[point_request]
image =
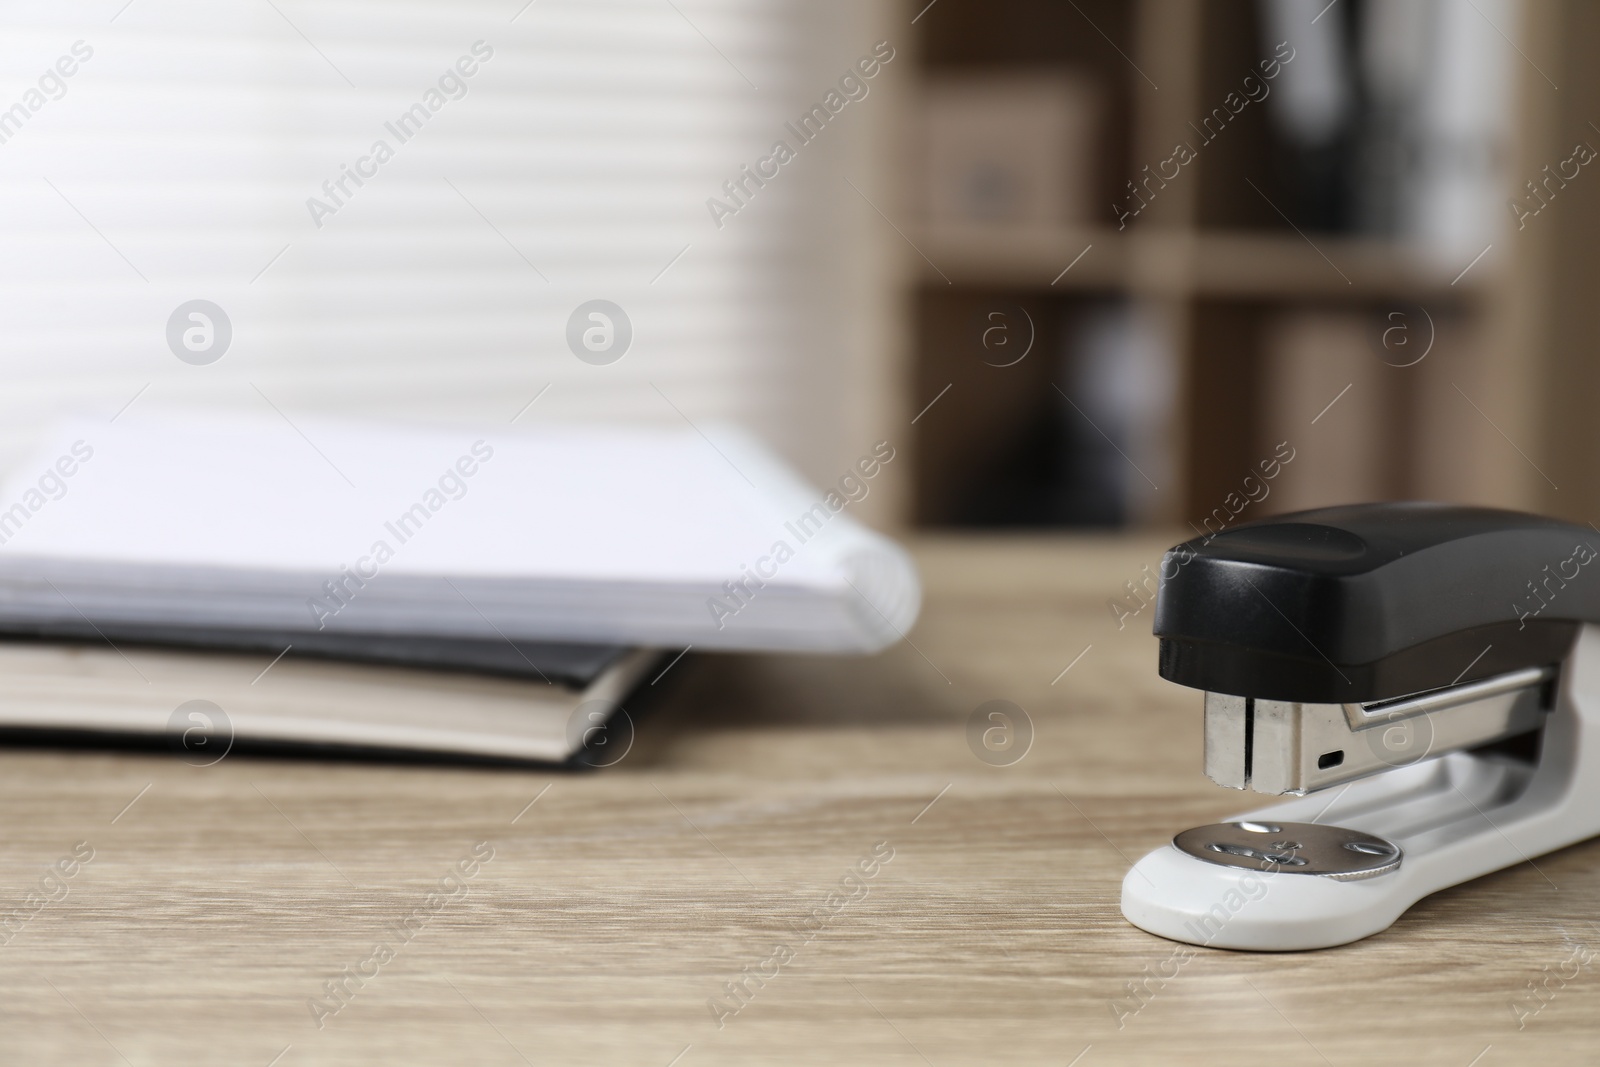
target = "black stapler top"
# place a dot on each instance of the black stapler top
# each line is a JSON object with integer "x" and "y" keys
{"x": 1371, "y": 601}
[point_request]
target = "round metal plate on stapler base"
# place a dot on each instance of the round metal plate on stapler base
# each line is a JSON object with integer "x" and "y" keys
{"x": 1293, "y": 848}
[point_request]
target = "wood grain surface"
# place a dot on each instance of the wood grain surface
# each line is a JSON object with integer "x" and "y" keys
{"x": 221, "y": 901}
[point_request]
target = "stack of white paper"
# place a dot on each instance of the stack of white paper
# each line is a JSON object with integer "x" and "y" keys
{"x": 575, "y": 534}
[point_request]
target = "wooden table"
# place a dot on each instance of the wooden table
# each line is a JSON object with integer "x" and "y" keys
{"x": 221, "y": 900}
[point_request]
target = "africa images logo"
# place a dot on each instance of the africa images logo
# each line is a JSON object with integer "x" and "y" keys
{"x": 199, "y": 332}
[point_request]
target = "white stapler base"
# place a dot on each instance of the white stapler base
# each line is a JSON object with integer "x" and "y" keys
{"x": 1455, "y": 819}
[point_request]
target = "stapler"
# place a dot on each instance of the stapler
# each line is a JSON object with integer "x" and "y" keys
{"x": 1422, "y": 679}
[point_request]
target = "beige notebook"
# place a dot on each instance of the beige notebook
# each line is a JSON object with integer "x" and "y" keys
{"x": 203, "y": 703}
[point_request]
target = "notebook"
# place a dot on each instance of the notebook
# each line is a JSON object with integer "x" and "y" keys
{"x": 227, "y": 525}
{"x": 203, "y": 705}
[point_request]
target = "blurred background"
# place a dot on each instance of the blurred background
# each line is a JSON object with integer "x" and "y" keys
{"x": 1244, "y": 232}
{"x": 1096, "y": 263}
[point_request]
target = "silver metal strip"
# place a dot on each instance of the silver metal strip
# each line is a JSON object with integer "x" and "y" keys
{"x": 1299, "y": 748}
{"x": 1225, "y": 736}
{"x": 1362, "y": 715}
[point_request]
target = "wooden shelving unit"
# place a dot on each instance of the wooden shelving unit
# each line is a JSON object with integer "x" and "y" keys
{"x": 1212, "y": 261}
{"x": 1178, "y": 262}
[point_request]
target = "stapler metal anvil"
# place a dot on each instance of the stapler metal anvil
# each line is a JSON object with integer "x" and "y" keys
{"x": 1423, "y": 679}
